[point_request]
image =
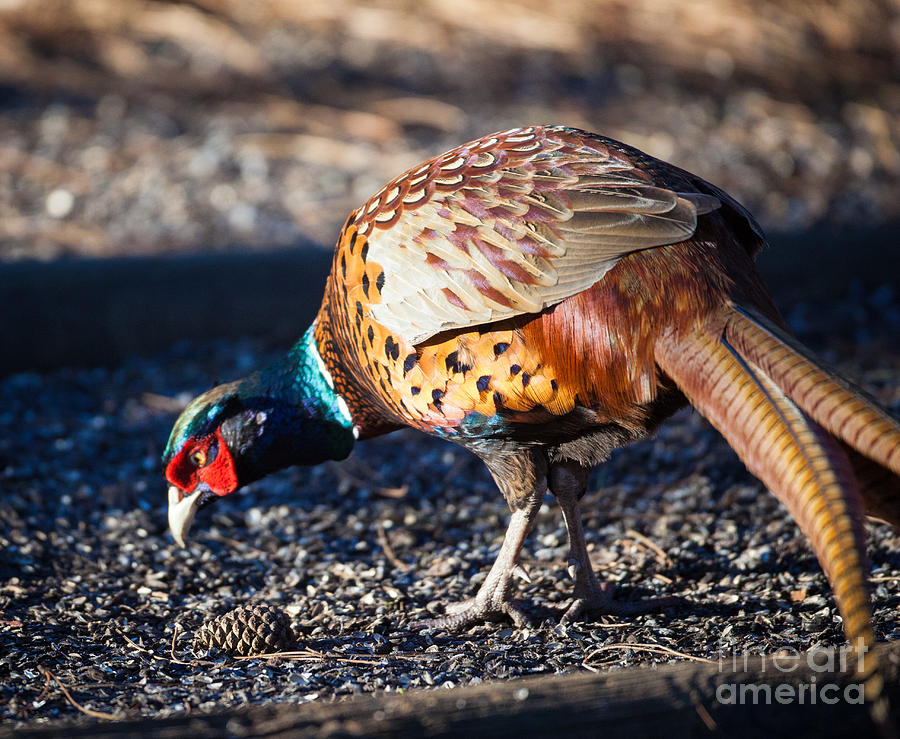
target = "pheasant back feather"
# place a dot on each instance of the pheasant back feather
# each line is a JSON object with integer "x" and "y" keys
{"x": 436, "y": 278}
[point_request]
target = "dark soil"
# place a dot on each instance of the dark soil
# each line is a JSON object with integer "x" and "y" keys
{"x": 94, "y": 592}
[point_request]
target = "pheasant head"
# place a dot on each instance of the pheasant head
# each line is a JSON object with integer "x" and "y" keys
{"x": 239, "y": 432}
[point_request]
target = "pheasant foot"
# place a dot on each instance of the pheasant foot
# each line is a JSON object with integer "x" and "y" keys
{"x": 493, "y": 600}
{"x": 591, "y": 597}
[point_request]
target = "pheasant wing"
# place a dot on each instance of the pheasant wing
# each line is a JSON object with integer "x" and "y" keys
{"x": 510, "y": 224}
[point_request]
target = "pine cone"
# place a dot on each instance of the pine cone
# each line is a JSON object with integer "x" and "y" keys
{"x": 246, "y": 630}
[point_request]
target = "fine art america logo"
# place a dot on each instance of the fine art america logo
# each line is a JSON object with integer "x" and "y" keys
{"x": 818, "y": 687}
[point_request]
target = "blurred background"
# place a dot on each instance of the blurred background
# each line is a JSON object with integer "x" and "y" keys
{"x": 225, "y": 127}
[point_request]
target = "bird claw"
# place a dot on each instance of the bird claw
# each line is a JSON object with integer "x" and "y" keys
{"x": 473, "y": 612}
{"x": 521, "y": 573}
{"x": 573, "y": 568}
{"x": 600, "y": 602}
{"x": 591, "y": 599}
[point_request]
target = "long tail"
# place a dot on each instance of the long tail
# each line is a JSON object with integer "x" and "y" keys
{"x": 767, "y": 397}
{"x": 832, "y": 401}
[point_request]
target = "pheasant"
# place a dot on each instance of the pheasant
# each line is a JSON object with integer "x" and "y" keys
{"x": 542, "y": 296}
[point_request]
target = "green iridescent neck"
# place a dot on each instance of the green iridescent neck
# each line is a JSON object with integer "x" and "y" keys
{"x": 311, "y": 382}
{"x": 288, "y": 413}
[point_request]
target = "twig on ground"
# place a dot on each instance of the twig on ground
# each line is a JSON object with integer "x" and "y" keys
{"x": 239, "y": 545}
{"x": 652, "y": 546}
{"x": 133, "y": 643}
{"x": 86, "y": 711}
{"x": 310, "y": 655}
{"x": 653, "y": 648}
{"x": 705, "y": 717}
{"x": 384, "y": 492}
{"x": 388, "y": 551}
{"x": 45, "y": 690}
{"x": 172, "y": 656}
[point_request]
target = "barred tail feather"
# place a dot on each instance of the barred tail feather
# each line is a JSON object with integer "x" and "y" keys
{"x": 798, "y": 461}
{"x": 833, "y": 402}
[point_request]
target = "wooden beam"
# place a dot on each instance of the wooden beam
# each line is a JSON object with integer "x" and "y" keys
{"x": 76, "y": 312}
{"x": 792, "y": 695}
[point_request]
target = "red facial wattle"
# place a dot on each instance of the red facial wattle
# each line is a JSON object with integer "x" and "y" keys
{"x": 217, "y": 472}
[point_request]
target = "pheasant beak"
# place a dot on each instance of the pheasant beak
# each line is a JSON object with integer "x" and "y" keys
{"x": 182, "y": 508}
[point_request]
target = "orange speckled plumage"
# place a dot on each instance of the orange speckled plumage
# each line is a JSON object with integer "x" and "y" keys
{"x": 485, "y": 234}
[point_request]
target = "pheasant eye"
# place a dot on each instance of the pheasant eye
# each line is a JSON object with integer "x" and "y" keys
{"x": 198, "y": 457}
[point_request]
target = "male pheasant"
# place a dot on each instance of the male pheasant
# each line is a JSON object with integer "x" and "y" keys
{"x": 542, "y": 296}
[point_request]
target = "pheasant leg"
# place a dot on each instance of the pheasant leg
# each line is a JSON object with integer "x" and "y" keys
{"x": 492, "y": 601}
{"x": 568, "y": 484}
{"x": 521, "y": 476}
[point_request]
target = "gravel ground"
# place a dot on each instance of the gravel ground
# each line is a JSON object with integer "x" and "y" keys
{"x": 93, "y": 590}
